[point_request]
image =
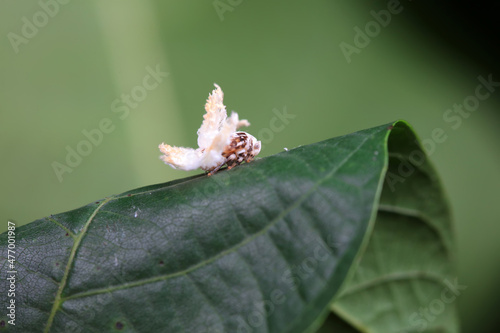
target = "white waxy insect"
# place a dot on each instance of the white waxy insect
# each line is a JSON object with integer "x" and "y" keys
{"x": 219, "y": 141}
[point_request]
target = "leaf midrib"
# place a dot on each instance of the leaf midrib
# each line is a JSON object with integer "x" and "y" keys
{"x": 62, "y": 284}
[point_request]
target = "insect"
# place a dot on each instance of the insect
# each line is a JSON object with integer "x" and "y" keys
{"x": 219, "y": 142}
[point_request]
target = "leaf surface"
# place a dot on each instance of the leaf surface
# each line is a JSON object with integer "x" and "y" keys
{"x": 405, "y": 281}
{"x": 264, "y": 247}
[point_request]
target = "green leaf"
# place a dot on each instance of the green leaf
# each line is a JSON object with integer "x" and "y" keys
{"x": 405, "y": 280}
{"x": 264, "y": 247}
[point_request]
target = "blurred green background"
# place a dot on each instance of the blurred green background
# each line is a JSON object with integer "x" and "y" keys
{"x": 66, "y": 64}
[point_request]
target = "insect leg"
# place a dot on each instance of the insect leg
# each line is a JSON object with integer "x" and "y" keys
{"x": 214, "y": 170}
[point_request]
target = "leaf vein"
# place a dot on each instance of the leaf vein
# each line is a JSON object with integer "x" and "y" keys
{"x": 58, "y": 299}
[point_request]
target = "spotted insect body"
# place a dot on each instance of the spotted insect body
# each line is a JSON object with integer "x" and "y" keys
{"x": 242, "y": 147}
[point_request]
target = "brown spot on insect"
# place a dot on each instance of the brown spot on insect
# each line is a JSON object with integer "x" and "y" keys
{"x": 242, "y": 147}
